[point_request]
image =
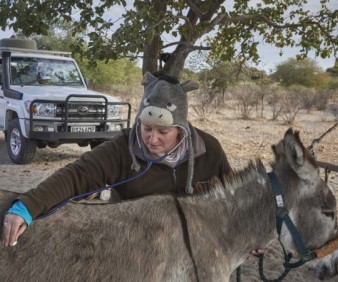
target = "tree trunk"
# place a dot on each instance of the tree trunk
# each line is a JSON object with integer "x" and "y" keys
{"x": 175, "y": 64}
{"x": 153, "y": 48}
{"x": 150, "y": 55}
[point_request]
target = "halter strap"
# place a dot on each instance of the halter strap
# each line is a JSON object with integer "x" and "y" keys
{"x": 282, "y": 216}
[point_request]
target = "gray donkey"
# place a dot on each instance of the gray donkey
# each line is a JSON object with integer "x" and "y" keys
{"x": 199, "y": 237}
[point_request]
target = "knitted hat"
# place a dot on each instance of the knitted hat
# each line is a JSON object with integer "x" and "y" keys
{"x": 164, "y": 103}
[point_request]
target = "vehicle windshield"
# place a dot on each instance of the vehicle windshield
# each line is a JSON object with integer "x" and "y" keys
{"x": 41, "y": 71}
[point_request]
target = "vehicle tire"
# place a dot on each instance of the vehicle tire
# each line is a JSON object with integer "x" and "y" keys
{"x": 20, "y": 149}
{"x": 18, "y": 43}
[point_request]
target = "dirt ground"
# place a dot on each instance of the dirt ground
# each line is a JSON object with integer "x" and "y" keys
{"x": 242, "y": 140}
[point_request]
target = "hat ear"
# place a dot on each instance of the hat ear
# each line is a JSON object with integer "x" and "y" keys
{"x": 189, "y": 85}
{"x": 147, "y": 78}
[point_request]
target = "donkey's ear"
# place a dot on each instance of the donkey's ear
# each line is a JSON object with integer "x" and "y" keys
{"x": 294, "y": 148}
{"x": 189, "y": 85}
{"x": 147, "y": 78}
{"x": 278, "y": 150}
{"x": 297, "y": 156}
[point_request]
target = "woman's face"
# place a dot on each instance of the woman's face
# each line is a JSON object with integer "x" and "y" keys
{"x": 160, "y": 139}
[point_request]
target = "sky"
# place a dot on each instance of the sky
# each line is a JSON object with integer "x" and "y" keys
{"x": 269, "y": 54}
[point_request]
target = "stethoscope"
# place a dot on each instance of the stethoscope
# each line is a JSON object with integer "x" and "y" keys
{"x": 150, "y": 162}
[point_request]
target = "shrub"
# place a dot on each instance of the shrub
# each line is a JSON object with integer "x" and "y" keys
{"x": 290, "y": 105}
{"x": 246, "y": 96}
{"x": 204, "y": 103}
{"x": 274, "y": 98}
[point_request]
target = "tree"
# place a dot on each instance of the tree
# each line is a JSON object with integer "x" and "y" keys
{"x": 148, "y": 28}
{"x": 304, "y": 72}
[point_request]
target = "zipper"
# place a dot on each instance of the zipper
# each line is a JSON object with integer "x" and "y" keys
{"x": 174, "y": 179}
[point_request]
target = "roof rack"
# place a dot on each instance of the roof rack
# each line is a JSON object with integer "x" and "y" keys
{"x": 32, "y": 51}
{"x": 20, "y": 45}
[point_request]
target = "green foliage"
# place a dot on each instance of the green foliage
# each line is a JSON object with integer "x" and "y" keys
{"x": 304, "y": 72}
{"x": 333, "y": 84}
{"x": 119, "y": 72}
{"x": 230, "y": 29}
{"x": 58, "y": 37}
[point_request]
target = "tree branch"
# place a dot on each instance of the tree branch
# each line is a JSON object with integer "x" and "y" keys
{"x": 187, "y": 44}
{"x": 312, "y": 148}
{"x": 194, "y": 8}
{"x": 225, "y": 18}
{"x": 326, "y": 165}
{"x": 310, "y": 22}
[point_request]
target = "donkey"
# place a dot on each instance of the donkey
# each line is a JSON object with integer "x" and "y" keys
{"x": 199, "y": 237}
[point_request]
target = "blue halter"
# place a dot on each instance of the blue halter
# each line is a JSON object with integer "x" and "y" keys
{"x": 282, "y": 216}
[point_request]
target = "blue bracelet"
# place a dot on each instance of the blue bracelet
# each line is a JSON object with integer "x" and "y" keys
{"x": 20, "y": 209}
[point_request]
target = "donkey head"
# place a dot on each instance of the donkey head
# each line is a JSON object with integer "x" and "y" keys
{"x": 311, "y": 204}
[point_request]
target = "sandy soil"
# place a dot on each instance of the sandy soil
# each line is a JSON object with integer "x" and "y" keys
{"x": 242, "y": 140}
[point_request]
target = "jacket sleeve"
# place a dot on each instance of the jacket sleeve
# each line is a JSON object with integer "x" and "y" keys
{"x": 225, "y": 167}
{"x": 92, "y": 171}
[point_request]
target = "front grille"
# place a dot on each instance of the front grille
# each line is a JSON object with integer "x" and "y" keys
{"x": 76, "y": 113}
{"x": 82, "y": 110}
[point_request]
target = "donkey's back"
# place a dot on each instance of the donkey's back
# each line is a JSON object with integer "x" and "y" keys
{"x": 140, "y": 240}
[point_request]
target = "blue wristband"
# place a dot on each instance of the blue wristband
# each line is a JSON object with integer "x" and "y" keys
{"x": 20, "y": 209}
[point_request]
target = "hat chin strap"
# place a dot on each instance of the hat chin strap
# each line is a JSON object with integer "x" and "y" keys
{"x": 179, "y": 143}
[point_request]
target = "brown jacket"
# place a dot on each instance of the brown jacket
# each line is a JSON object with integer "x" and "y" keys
{"x": 111, "y": 162}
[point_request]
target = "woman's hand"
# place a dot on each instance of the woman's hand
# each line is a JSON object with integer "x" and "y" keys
{"x": 13, "y": 227}
{"x": 257, "y": 252}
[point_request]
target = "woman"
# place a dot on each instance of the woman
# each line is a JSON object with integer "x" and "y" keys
{"x": 177, "y": 158}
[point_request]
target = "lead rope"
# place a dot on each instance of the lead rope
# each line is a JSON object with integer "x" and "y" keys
{"x": 261, "y": 271}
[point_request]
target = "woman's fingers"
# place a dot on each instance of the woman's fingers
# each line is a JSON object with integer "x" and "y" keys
{"x": 13, "y": 227}
{"x": 257, "y": 252}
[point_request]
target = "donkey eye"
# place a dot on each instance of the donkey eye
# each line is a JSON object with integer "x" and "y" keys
{"x": 146, "y": 102}
{"x": 171, "y": 107}
{"x": 328, "y": 213}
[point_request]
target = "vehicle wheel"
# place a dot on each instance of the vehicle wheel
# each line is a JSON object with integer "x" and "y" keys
{"x": 20, "y": 149}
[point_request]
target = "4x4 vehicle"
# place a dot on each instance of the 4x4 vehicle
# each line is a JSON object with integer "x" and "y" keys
{"x": 44, "y": 101}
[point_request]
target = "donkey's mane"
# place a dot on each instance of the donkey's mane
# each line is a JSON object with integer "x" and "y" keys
{"x": 220, "y": 186}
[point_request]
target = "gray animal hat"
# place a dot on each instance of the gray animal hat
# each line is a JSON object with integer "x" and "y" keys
{"x": 164, "y": 103}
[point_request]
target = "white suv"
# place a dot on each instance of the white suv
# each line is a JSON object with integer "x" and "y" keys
{"x": 44, "y": 101}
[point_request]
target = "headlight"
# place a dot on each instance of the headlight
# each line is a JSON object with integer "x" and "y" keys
{"x": 114, "y": 111}
{"x": 41, "y": 109}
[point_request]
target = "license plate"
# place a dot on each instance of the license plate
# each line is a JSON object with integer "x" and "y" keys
{"x": 82, "y": 129}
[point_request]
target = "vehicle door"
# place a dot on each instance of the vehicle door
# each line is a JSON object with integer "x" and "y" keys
{"x": 2, "y": 101}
